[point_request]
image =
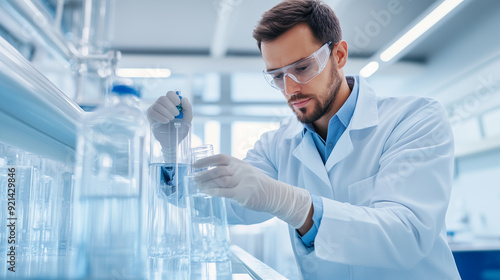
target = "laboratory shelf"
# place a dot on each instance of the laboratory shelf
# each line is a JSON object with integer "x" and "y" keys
{"x": 34, "y": 114}
{"x": 245, "y": 265}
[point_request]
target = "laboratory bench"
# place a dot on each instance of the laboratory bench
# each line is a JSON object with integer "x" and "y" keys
{"x": 477, "y": 259}
{"x": 244, "y": 267}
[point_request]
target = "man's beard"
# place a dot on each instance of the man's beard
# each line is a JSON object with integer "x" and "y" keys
{"x": 322, "y": 107}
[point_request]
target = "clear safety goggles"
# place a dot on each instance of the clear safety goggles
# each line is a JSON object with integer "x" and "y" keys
{"x": 302, "y": 71}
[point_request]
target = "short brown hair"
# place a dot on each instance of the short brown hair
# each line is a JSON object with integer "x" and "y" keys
{"x": 323, "y": 22}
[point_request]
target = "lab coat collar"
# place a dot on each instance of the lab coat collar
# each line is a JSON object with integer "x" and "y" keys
{"x": 365, "y": 116}
{"x": 307, "y": 153}
{"x": 366, "y": 112}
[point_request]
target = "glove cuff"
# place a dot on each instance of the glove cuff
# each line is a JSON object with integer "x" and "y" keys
{"x": 293, "y": 205}
{"x": 303, "y": 211}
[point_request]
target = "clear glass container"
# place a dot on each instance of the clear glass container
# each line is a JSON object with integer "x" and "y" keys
{"x": 168, "y": 211}
{"x": 109, "y": 188}
{"x": 210, "y": 256}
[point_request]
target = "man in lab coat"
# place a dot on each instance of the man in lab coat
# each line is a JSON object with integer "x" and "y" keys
{"x": 363, "y": 181}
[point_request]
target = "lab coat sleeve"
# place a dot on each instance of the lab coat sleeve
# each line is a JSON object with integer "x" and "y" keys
{"x": 262, "y": 155}
{"x": 260, "y": 158}
{"x": 407, "y": 199}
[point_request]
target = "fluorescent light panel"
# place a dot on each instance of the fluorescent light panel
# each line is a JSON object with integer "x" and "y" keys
{"x": 420, "y": 28}
{"x": 143, "y": 72}
{"x": 369, "y": 69}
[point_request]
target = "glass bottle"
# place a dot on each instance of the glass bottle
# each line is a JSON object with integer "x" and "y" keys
{"x": 109, "y": 187}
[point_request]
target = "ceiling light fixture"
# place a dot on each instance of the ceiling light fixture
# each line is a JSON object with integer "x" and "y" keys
{"x": 420, "y": 28}
{"x": 369, "y": 69}
{"x": 143, "y": 72}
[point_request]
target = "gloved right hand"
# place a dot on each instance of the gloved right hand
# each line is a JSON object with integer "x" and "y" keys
{"x": 161, "y": 116}
{"x": 242, "y": 182}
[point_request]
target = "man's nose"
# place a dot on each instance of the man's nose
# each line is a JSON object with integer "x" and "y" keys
{"x": 291, "y": 86}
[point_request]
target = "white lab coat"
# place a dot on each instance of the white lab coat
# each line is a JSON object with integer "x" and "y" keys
{"x": 385, "y": 190}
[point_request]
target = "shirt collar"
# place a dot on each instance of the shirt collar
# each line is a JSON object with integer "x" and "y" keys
{"x": 346, "y": 111}
{"x": 344, "y": 114}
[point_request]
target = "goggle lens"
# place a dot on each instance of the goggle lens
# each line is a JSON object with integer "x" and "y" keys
{"x": 302, "y": 71}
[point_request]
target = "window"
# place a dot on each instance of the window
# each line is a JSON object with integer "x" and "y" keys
{"x": 490, "y": 123}
{"x": 245, "y": 134}
{"x": 253, "y": 87}
{"x": 466, "y": 132}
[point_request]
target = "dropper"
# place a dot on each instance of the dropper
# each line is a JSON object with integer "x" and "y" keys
{"x": 177, "y": 125}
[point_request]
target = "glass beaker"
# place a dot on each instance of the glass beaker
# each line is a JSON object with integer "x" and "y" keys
{"x": 22, "y": 173}
{"x": 45, "y": 209}
{"x": 16, "y": 180}
{"x": 210, "y": 256}
{"x": 168, "y": 214}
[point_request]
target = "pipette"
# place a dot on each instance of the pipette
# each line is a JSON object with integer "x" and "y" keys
{"x": 169, "y": 181}
{"x": 177, "y": 125}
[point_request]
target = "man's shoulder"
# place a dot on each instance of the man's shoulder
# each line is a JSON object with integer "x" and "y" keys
{"x": 289, "y": 128}
{"x": 407, "y": 102}
{"x": 403, "y": 114}
{"x": 406, "y": 106}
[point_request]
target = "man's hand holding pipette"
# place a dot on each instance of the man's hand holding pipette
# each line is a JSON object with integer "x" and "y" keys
{"x": 161, "y": 115}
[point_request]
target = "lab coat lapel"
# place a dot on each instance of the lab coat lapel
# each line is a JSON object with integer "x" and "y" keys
{"x": 341, "y": 150}
{"x": 308, "y": 155}
{"x": 365, "y": 116}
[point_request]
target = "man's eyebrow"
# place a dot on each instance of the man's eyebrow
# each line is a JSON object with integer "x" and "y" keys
{"x": 304, "y": 58}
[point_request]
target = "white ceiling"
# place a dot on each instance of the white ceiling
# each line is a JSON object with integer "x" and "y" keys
{"x": 162, "y": 25}
{"x": 190, "y": 26}
{"x": 188, "y": 36}
{"x": 200, "y": 36}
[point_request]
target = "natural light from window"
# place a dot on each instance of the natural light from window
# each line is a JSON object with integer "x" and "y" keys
{"x": 245, "y": 134}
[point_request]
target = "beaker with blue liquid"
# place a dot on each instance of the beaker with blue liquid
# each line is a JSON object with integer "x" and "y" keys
{"x": 187, "y": 230}
{"x": 168, "y": 209}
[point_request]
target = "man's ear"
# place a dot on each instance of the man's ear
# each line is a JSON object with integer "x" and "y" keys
{"x": 339, "y": 54}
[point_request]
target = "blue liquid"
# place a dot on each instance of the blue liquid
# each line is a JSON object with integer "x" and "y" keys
{"x": 168, "y": 222}
{"x": 167, "y": 178}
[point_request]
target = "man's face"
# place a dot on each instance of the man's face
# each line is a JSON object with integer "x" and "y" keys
{"x": 309, "y": 101}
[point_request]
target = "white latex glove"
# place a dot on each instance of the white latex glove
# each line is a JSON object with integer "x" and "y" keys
{"x": 161, "y": 115}
{"x": 164, "y": 109}
{"x": 240, "y": 181}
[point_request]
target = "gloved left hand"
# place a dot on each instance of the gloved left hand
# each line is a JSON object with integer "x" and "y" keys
{"x": 161, "y": 116}
{"x": 240, "y": 181}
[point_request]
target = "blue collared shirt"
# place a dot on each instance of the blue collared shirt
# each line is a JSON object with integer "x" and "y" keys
{"x": 336, "y": 127}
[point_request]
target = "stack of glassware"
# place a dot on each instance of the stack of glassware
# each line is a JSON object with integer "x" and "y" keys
{"x": 187, "y": 230}
{"x": 107, "y": 223}
{"x": 36, "y": 219}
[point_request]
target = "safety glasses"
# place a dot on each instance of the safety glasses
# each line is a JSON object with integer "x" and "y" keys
{"x": 302, "y": 71}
